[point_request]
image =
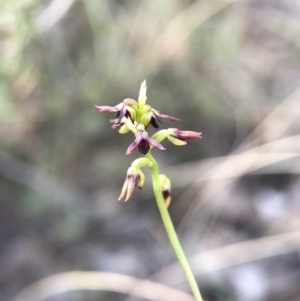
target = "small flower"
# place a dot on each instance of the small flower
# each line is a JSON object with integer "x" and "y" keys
{"x": 165, "y": 185}
{"x": 152, "y": 116}
{"x": 127, "y": 108}
{"x": 178, "y": 137}
{"x": 135, "y": 178}
{"x": 175, "y": 136}
{"x": 143, "y": 142}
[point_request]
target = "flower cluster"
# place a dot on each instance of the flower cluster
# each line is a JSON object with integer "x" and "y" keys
{"x": 136, "y": 116}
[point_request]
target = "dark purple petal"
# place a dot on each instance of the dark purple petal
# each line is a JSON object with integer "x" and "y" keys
{"x": 123, "y": 113}
{"x": 167, "y": 197}
{"x": 166, "y": 194}
{"x": 144, "y": 146}
{"x": 134, "y": 144}
{"x": 137, "y": 180}
{"x": 153, "y": 121}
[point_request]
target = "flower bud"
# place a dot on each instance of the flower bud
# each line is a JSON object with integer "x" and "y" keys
{"x": 178, "y": 137}
{"x": 165, "y": 185}
{"x": 135, "y": 178}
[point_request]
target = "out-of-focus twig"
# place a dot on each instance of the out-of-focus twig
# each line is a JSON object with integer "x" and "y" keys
{"x": 268, "y": 130}
{"x": 232, "y": 255}
{"x": 281, "y": 24}
{"x": 182, "y": 26}
{"x": 236, "y": 165}
{"x": 34, "y": 178}
{"x": 102, "y": 281}
{"x": 52, "y": 14}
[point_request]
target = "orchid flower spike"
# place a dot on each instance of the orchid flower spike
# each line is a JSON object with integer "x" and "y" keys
{"x": 135, "y": 116}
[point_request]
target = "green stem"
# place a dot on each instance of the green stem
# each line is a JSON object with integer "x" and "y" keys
{"x": 170, "y": 229}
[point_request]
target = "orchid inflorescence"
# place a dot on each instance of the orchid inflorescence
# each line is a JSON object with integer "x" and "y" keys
{"x": 136, "y": 116}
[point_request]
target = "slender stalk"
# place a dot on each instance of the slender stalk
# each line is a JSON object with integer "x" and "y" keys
{"x": 170, "y": 229}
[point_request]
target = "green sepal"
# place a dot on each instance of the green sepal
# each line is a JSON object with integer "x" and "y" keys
{"x": 124, "y": 129}
{"x": 142, "y": 95}
{"x": 164, "y": 182}
{"x": 160, "y": 135}
{"x": 176, "y": 141}
{"x": 146, "y": 115}
{"x": 141, "y": 162}
{"x": 129, "y": 124}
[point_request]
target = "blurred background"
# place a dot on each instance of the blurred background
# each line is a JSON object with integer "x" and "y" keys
{"x": 229, "y": 69}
